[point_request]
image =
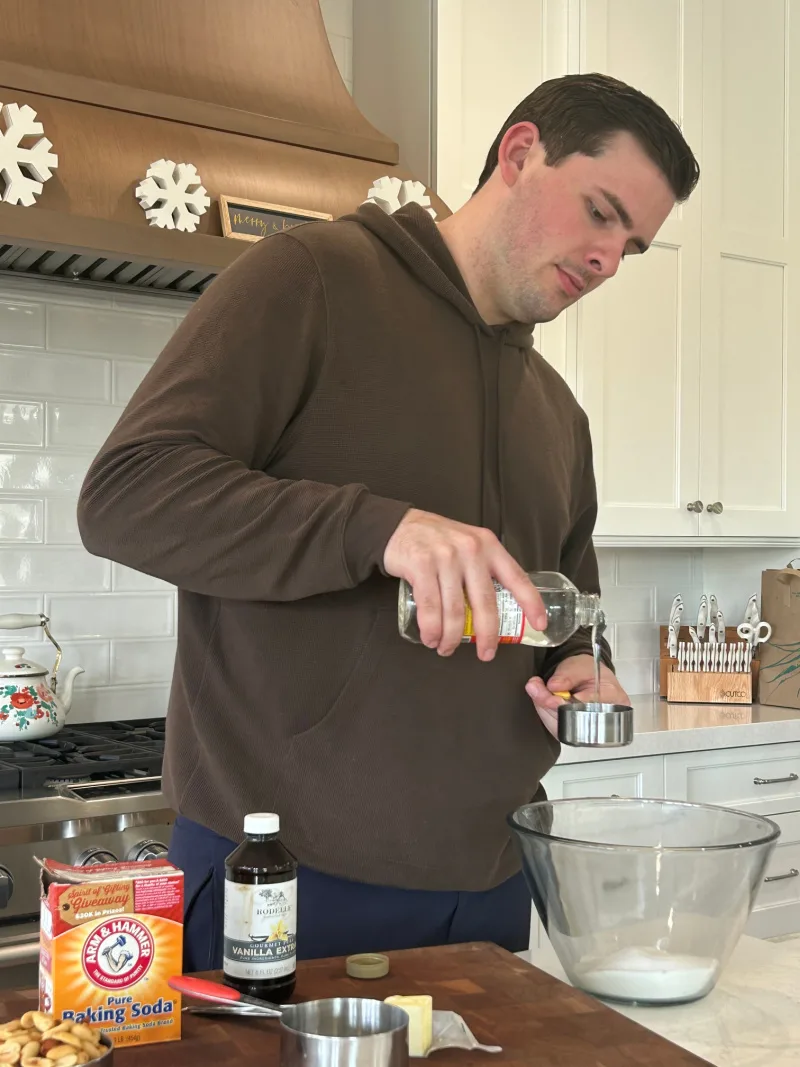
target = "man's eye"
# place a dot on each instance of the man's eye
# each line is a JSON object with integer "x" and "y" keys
{"x": 596, "y": 213}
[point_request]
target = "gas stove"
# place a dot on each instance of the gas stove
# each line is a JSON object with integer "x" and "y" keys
{"x": 97, "y": 753}
{"x": 89, "y": 794}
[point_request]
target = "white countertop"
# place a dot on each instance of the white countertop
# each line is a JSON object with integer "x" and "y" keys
{"x": 660, "y": 728}
{"x": 751, "y": 1018}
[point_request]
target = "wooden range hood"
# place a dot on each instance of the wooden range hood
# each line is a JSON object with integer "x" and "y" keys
{"x": 246, "y": 90}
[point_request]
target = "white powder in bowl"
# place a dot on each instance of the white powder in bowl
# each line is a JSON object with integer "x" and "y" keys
{"x": 647, "y": 974}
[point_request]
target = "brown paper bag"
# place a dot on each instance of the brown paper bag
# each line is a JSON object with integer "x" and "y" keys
{"x": 779, "y": 676}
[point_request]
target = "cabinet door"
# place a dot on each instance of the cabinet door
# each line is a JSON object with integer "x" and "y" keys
{"x": 638, "y": 355}
{"x": 750, "y": 410}
{"x": 632, "y": 777}
{"x": 489, "y": 57}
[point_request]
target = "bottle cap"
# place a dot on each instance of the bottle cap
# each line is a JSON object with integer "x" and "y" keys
{"x": 367, "y": 965}
{"x": 262, "y": 822}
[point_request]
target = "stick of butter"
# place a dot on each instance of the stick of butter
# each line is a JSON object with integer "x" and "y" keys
{"x": 420, "y": 1021}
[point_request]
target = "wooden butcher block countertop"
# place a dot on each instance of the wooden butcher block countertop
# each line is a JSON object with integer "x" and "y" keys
{"x": 537, "y": 1020}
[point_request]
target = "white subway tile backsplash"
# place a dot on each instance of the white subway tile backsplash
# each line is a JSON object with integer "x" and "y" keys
{"x": 142, "y": 661}
{"x": 635, "y": 640}
{"x": 120, "y": 702}
{"x": 21, "y": 423}
{"x": 21, "y": 519}
{"x": 21, "y": 323}
{"x": 61, "y": 377}
{"x": 640, "y": 565}
{"x": 42, "y": 471}
{"x": 79, "y": 425}
{"x": 16, "y": 604}
{"x": 70, "y": 359}
{"x": 629, "y": 603}
{"x": 123, "y": 579}
{"x": 636, "y": 675}
{"x": 53, "y": 569}
{"x": 93, "y": 656}
{"x": 114, "y": 615}
{"x": 607, "y": 566}
{"x": 107, "y": 332}
{"x": 127, "y": 376}
{"x": 61, "y": 520}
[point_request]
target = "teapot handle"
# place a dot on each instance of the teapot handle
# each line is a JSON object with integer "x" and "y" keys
{"x": 21, "y": 622}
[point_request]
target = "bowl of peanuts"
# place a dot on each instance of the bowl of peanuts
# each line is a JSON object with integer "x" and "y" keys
{"x": 41, "y": 1040}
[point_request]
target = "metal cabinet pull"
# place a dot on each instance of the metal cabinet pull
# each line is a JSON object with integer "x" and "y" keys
{"x": 696, "y": 506}
{"x": 774, "y": 781}
{"x": 716, "y": 508}
{"x": 793, "y": 873}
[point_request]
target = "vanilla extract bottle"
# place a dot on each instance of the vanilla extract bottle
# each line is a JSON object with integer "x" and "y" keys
{"x": 260, "y": 917}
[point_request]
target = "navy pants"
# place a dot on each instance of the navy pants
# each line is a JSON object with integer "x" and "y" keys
{"x": 337, "y": 917}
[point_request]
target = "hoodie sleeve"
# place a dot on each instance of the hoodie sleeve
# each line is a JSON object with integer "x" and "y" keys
{"x": 179, "y": 489}
{"x": 578, "y": 559}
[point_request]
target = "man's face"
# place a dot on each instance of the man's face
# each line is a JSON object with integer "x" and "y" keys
{"x": 561, "y": 231}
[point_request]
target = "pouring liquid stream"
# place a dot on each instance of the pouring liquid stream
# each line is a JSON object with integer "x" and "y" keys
{"x": 598, "y": 629}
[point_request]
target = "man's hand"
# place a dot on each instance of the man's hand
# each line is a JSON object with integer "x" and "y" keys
{"x": 441, "y": 559}
{"x": 573, "y": 675}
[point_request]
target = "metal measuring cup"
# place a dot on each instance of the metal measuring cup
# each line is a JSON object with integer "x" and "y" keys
{"x": 340, "y": 1032}
{"x": 592, "y": 724}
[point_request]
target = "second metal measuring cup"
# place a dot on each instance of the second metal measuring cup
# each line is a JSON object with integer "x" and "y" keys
{"x": 340, "y": 1032}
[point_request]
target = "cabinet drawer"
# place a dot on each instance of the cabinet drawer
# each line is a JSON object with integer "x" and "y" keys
{"x": 782, "y": 884}
{"x": 643, "y": 777}
{"x": 764, "y": 779}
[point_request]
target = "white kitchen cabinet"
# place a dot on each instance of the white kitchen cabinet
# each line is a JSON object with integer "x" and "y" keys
{"x": 688, "y": 362}
{"x": 763, "y": 779}
{"x": 642, "y": 777}
{"x": 750, "y": 389}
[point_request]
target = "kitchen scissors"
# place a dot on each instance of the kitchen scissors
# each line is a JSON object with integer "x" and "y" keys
{"x": 754, "y": 634}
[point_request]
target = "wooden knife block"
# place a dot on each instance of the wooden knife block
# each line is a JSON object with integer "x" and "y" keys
{"x": 704, "y": 687}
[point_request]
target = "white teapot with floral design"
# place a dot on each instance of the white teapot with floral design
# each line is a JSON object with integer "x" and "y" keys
{"x": 29, "y": 707}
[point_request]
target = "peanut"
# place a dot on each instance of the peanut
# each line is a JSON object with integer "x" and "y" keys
{"x": 30, "y": 1050}
{"x": 10, "y": 1028}
{"x": 66, "y": 1038}
{"x": 59, "y": 1052}
{"x": 84, "y": 1032}
{"x": 42, "y": 1021}
{"x": 35, "y": 1061}
{"x": 9, "y": 1057}
{"x": 67, "y": 1061}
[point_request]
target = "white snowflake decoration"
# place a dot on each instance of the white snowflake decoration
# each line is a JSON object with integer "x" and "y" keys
{"x": 391, "y": 193}
{"x": 172, "y": 195}
{"x": 23, "y": 170}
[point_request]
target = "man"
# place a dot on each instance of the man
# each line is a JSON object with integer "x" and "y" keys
{"x": 351, "y": 403}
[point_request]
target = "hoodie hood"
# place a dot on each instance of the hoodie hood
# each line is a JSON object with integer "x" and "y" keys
{"x": 412, "y": 235}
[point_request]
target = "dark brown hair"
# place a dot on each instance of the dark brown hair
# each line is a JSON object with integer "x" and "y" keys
{"x": 582, "y": 112}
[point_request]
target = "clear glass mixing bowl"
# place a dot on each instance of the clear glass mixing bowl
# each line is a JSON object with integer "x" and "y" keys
{"x": 643, "y": 900}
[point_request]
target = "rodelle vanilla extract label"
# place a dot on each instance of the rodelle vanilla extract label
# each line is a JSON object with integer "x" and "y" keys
{"x": 260, "y": 933}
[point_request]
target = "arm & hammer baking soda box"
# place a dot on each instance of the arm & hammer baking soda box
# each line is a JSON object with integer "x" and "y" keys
{"x": 111, "y": 938}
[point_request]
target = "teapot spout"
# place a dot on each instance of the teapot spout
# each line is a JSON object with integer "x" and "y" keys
{"x": 65, "y": 696}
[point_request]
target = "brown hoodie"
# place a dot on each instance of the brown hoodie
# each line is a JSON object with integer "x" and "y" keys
{"x": 331, "y": 378}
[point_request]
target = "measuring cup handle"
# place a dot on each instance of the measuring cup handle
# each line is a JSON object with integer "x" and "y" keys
{"x": 20, "y": 622}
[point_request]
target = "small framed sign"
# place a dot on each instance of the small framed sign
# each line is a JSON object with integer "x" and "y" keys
{"x": 250, "y": 220}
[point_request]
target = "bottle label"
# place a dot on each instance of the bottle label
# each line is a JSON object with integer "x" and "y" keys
{"x": 510, "y": 615}
{"x": 260, "y": 930}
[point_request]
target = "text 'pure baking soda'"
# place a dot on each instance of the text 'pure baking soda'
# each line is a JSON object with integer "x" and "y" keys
{"x": 111, "y": 938}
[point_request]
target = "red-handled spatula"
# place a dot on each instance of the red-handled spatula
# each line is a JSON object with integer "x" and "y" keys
{"x": 202, "y": 989}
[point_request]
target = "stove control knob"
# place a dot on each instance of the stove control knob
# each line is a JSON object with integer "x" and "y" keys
{"x": 91, "y": 857}
{"x": 6, "y": 887}
{"x": 146, "y": 850}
